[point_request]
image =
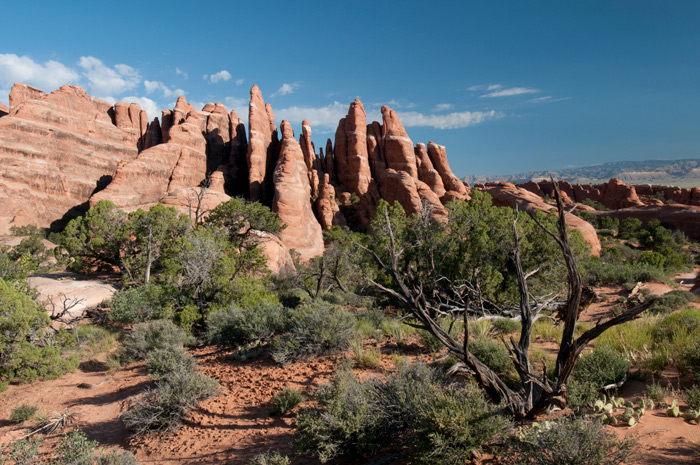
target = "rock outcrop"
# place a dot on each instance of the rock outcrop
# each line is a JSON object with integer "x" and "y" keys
{"x": 3, "y": 109}
{"x": 57, "y": 149}
{"x": 507, "y": 194}
{"x": 262, "y": 147}
{"x": 684, "y": 218}
{"x": 292, "y": 200}
{"x": 615, "y": 194}
{"x": 454, "y": 187}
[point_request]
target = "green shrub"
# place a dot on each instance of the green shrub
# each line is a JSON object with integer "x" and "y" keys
{"x": 22, "y": 413}
{"x": 163, "y": 408}
{"x": 315, "y": 329}
{"x": 656, "y": 392}
{"x": 688, "y": 360}
{"x": 601, "y": 367}
{"x": 286, "y": 400}
{"x": 22, "y": 451}
{"x": 93, "y": 339}
{"x": 238, "y": 327}
{"x": 27, "y": 353}
{"x": 494, "y": 355}
{"x": 546, "y": 330}
{"x": 156, "y": 334}
{"x": 671, "y": 302}
{"x": 117, "y": 458}
{"x": 135, "y": 305}
{"x": 505, "y": 325}
{"x": 569, "y": 441}
{"x": 366, "y": 358}
{"x": 442, "y": 423}
{"x": 270, "y": 458}
{"x": 692, "y": 397}
{"x": 596, "y": 272}
{"x": 76, "y": 449}
{"x": 160, "y": 362}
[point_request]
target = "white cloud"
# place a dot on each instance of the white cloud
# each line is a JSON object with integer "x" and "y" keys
{"x": 108, "y": 81}
{"x": 511, "y": 92}
{"x": 449, "y": 121}
{"x": 182, "y": 73}
{"x": 323, "y": 118}
{"x": 151, "y": 107}
{"x": 396, "y": 104}
{"x": 547, "y": 99}
{"x": 222, "y": 75}
{"x": 49, "y": 76}
{"x": 152, "y": 86}
{"x": 286, "y": 89}
{"x": 487, "y": 88}
{"x": 443, "y": 107}
{"x": 238, "y": 104}
{"x": 239, "y": 81}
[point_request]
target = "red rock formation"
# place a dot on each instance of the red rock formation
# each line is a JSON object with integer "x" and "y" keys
{"x": 238, "y": 165}
{"x": 326, "y": 207}
{"x": 685, "y": 218}
{"x": 313, "y": 165}
{"x": 397, "y": 148}
{"x": 3, "y": 109}
{"x": 329, "y": 163}
{"x": 427, "y": 173}
{"x": 56, "y": 149}
{"x": 262, "y": 147}
{"x": 454, "y": 187}
{"x": 218, "y": 135}
{"x": 292, "y": 199}
{"x": 507, "y": 194}
{"x": 615, "y": 194}
{"x": 352, "y": 163}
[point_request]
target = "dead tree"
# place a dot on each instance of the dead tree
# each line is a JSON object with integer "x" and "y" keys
{"x": 536, "y": 393}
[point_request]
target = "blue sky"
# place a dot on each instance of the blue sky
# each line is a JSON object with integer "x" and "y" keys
{"x": 506, "y": 86}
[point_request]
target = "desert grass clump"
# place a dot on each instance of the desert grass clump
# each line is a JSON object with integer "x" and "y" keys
{"x": 163, "y": 408}
{"x": 505, "y": 325}
{"x": 692, "y": 397}
{"x": 239, "y": 327}
{"x": 285, "y": 401}
{"x": 366, "y": 358}
{"x": 270, "y": 458}
{"x": 571, "y": 441}
{"x": 494, "y": 355}
{"x": 152, "y": 335}
{"x": 23, "y": 413}
{"x": 316, "y": 329}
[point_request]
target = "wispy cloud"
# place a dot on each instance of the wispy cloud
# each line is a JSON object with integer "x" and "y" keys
{"x": 106, "y": 81}
{"x": 510, "y": 92}
{"x": 238, "y": 104}
{"x": 182, "y": 73}
{"x": 454, "y": 120}
{"x": 47, "y": 76}
{"x": 286, "y": 89}
{"x": 153, "y": 86}
{"x": 485, "y": 87}
{"x": 443, "y": 107}
{"x": 222, "y": 75}
{"x": 239, "y": 81}
{"x": 395, "y": 104}
{"x": 548, "y": 99}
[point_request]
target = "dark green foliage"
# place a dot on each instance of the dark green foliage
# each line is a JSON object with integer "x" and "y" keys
{"x": 601, "y": 367}
{"x": 286, "y": 400}
{"x": 686, "y": 321}
{"x": 23, "y": 413}
{"x": 163, "y": 408}
{"x": 26, "y": 351}
{"x": 270, "y": 458}
{"x": 569, "y": 441}
{"x": 597, "y": 205}
{"x": 315, "y": 329}
{"x": 94, "y": 240}
{"x": 156, "y": 334}
{"x": 494, "y": 355}
{"x": 22, "y": 451}
{"x": 239, "y": 217}
{"x": 692, "y": 397}
{"x": 238, "y": 327}
{"x": 672, "y": 301}
{"x": 688, "y": 360}
{"x": 442, "y": 423}
{"x": 596, "y": 272}
{"x": 629, "y": 227}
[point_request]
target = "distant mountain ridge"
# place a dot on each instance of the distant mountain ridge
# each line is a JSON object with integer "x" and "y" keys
{"x": 681, "y": 173}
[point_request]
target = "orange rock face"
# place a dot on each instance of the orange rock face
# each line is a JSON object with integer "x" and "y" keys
{"x": 292, "y": 200}
{"x": 262, "y": 147}
{"x": 454, "y": 187}
{"x": 615, "y": 194}
{"x": 56, "y": 150}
